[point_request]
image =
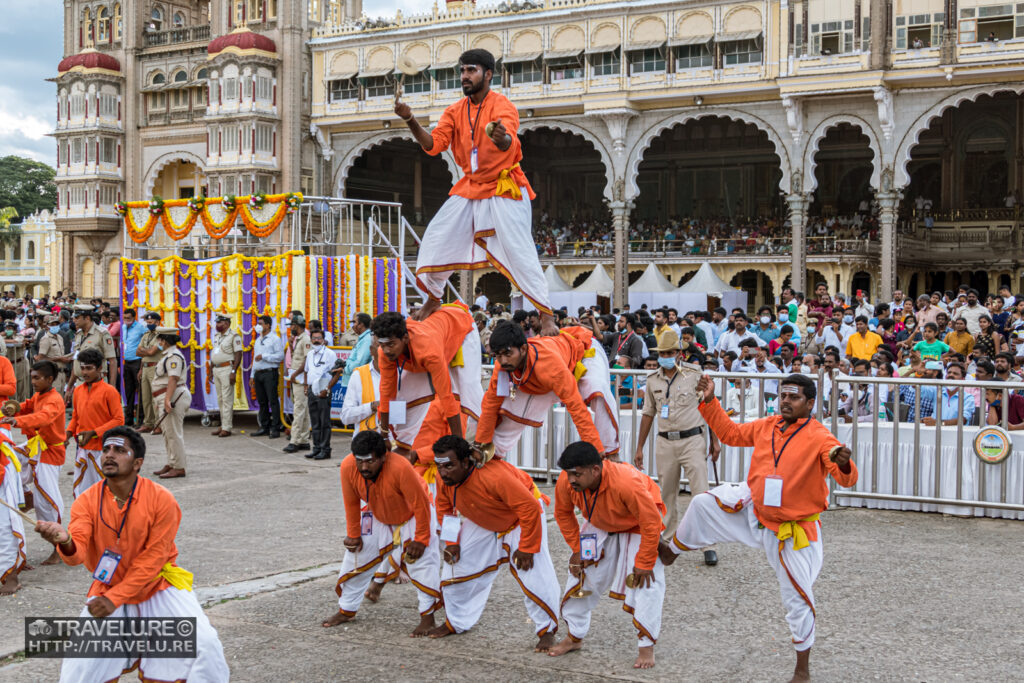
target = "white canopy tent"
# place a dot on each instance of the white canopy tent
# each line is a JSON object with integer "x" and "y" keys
{"x": 563, "y": 295}
{"x": 597, "y": 284}
{"x": 654, "y": 289}
{"x": 707, "y": 284}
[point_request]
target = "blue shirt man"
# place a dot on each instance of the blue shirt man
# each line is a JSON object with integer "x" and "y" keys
{"x": 360, "y": 355}
{"x": 131, "y": 335}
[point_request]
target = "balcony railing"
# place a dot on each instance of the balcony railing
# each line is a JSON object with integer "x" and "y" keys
{"x": 773, "y": 246}
{"x": 173, "y": 36}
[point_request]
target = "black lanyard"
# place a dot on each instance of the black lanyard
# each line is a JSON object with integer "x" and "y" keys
{"x": 124, "y": 518}
{"x": 400, "y": 369}
{"x": 472, "y": 123}
{"x": 668, "y": 389}
{"x": 529, "y": 370}
{"x": 455, "y": 490}
{"x": 778, "y": 456}
{"x": 589, "y": 505}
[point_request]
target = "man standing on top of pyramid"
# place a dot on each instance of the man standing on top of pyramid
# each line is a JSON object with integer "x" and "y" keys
{"x": 487, "y": 220}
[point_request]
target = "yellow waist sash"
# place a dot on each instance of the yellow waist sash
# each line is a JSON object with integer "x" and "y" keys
{"x": 457, "y": 361}
{"x": 35, "y": 446}
{"x": 506, "y": 185}
{"x": 430, "y": 474}
{"x": 795, "y": 531}
{"x": 9, "y": 451}
{"x": 176, "y": 576}
{"x": 366, "y": 381}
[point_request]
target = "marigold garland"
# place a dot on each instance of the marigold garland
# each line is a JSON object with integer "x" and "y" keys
{"x": 198, "y": 208}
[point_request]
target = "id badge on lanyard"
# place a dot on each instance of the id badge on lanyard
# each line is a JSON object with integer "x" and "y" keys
{"x": 773, "y": 491}
{"x": 106, "y": 567}
{"x": 450, "y": 527}
{"x": 474, "y": 163}
{"x": 588, "y": 547}
{"x": 366, "y": 524}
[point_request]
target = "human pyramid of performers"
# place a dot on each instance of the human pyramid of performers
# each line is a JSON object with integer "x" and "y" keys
{"x": 429, "y": 497}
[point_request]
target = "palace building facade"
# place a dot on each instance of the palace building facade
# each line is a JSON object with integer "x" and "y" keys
{"x": 870, "y": 144}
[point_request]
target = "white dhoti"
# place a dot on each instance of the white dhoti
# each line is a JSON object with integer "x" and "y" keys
{"x": 357, "y": 569}
{"x": 208, "y": 665}
{"x": 466, "y": 585}
{"x": 466, "y": 384}
{"x": 12, "y": 530}
{"x": 617, "y": 553}
{"x": 87, "y": 469}
{"x": 45, "y": 480}
{"x": 725, "y": 514}
{"x": 467, "y": 234}
{"x": 530, "y": 410}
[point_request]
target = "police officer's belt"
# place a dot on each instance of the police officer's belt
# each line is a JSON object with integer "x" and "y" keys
{"x": 675, "y": 436}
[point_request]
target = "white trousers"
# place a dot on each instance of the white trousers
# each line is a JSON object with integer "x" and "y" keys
{"x": 12, "y": 530}
{"x": 530, "y": 410}
{"x": 87, "y": 469}
{"x": 208, "y": 665}
{"x": 466, "y": 585}
{"x": 617, "y": 556}
{"x": 45, "y": 479}
{"x": 357, "y": 569}
{"x": 470, "y": 233}
{"x": 725, "y": 514}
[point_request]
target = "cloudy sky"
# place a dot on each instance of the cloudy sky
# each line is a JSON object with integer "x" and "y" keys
{"x": 30, "y": 48}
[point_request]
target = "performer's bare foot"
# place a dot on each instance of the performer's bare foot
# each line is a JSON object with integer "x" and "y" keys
{"x": 548, "y": 326}
{"x": 26, "y": 568}
{"x": 665, "y": 553}
{"x": 802, "y": 672}
{"x": 441, "y": 631}
{"x": 30, "y": 502}
{"x": 11, "y": 585}
{"x": 425, "y": 627}
{"x": 426, "y": 309}
{"x": 545, "y": 642}
{"x": 373, "y": 592}
{"x": 339, "y": 617}
{"x": 645, "y": 658}
{"x": 563, "y": 646}
{"x": 54, "y": 558}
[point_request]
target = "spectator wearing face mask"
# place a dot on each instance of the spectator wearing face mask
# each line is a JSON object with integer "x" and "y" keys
{"x": 784, "y": 317}
{"x": 765, "y": 329}
{"x": 949, "y": 401}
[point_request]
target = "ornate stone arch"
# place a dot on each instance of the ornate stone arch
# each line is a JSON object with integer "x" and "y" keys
{"x": 637, "y": 154}
{"x": 165, "y": 159}
{"x": 921, "y": 123}
{"x": 375, "y": 140}
{"x": 589, "y": 136}
{"x": 810, "y": 181}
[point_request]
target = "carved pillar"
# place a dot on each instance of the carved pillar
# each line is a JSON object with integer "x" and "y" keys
{"x": 620, "y": 223}
{"x": 798, "y": 203}
{"x": 888, "y": 202}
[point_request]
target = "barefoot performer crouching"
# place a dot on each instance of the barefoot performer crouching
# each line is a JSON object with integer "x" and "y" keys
{"x": 777, "y": 509}
{"x": 122, "y": 529}
{"x": 490, "y": 516}
{"x": 615, "y": 550}
{"x": 398, "y": 509}
{"x": 487, "y": 221}
{"x": 41, "y": 419}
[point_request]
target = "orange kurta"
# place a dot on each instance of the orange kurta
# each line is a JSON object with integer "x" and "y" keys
{"x": 804, "y": 464}
{"x": 550, "y": 362}
{"x": 398, "y": 495}
{"x": 97, "y": 407}
{"x": 146, "y": 545}
{"x": 455, "y": 131}
{"x": 43, "y": 414}
{"x": 626, "y": 501}
{"x": 8, "y": 380}
{"x": 433, "y": 344}
{"x": 497, "y": 497}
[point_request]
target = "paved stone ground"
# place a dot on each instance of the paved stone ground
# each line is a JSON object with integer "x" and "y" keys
{"x": 902, "y": 596}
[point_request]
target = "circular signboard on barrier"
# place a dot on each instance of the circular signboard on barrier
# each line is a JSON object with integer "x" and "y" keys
{"x": 993, "y": 445}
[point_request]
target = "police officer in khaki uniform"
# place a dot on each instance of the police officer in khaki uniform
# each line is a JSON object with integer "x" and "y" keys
{"x": 16, "y": 354}
{"x": 173, "y": 398}
{"x": 149, "y": 352}
{"x": 225, "y": 358}
{"x": 300, "y": 346}
{"x": 89, "y": 335}
{"x": 51, "y": 348}
{"x": 671, "y": 396}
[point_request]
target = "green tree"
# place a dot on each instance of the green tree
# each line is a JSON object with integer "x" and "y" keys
{"x": 9, "y": 234}
{"x": 27, "y": 185}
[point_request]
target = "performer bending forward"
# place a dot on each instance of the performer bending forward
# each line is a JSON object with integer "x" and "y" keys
{"x": 534, "y": 373}
{"x": 490, "y": 516}
{"x": 487, "y": 221}
{"x": 122, "y": 529}
{"x": 777, "y": 509}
